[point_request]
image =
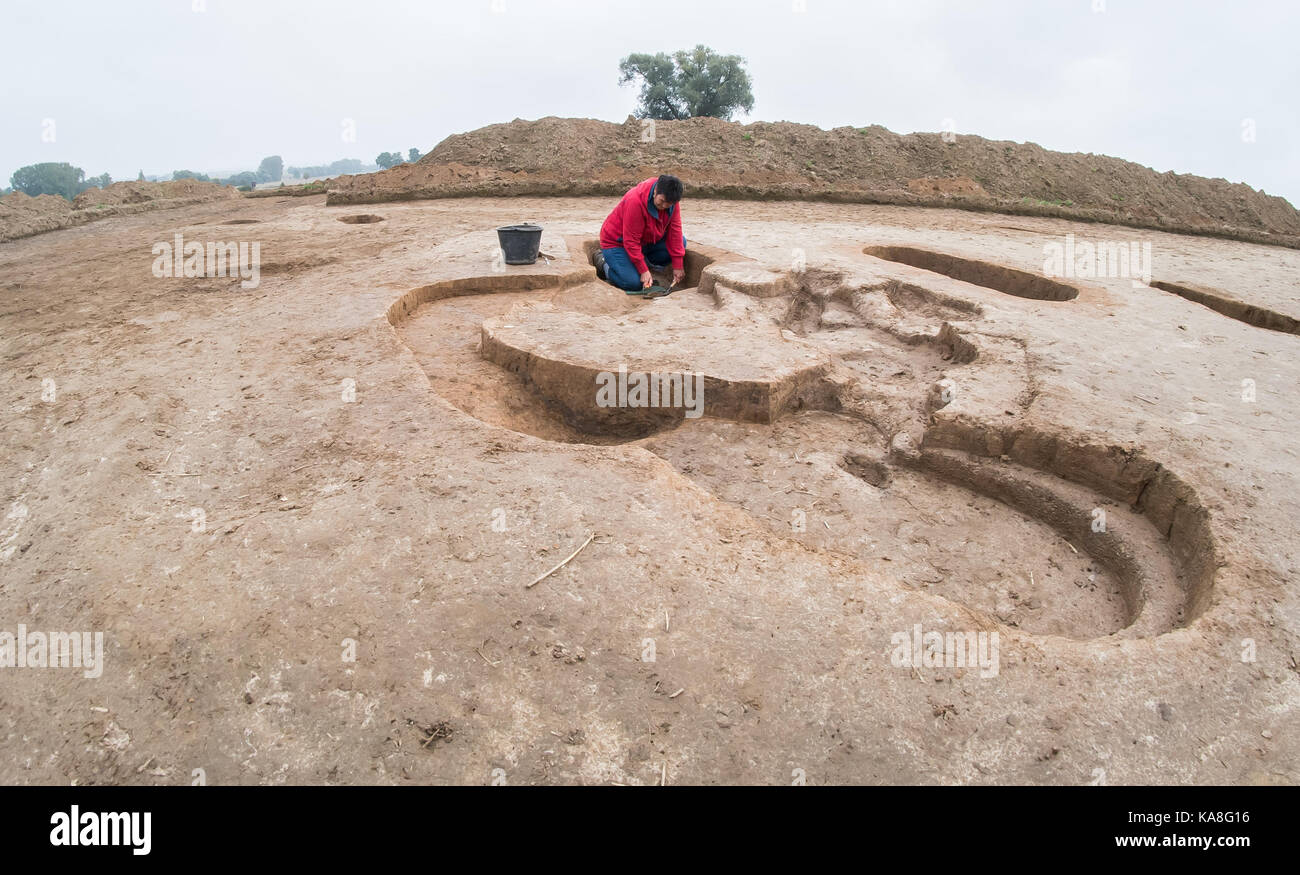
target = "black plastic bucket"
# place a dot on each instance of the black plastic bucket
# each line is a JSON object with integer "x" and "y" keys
{"x": 520, "y": 243}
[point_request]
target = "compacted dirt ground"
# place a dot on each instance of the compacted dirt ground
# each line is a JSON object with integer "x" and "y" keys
{"x": 309, "y": 516}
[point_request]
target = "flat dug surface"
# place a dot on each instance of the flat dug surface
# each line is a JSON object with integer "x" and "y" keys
{"x": 304, "y": 513}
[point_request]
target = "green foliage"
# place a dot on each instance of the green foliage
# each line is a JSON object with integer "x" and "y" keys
{"x": 392, "y": 159}
{"x": 140, "y": 178}
{"x": 49, "y": 178}
{"x": 190, "y": 174}
{"x": 342, "y": 167}
{"x": 247, "y": 179}
{"x": 687, "y": 84}
{"x": 271, "y": 169}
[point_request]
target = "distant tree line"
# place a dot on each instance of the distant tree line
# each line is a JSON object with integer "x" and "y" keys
{"x": 68, "y": 181}
{"x": 392, "y": 159}
{"x": 60, "y": 179}
{"x": 270, "y": 170}
{"x": 342, "y": 167}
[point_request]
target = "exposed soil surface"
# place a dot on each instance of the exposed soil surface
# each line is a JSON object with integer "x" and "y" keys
{"x": 765, "y": 161}
{"x": 23, "y": 216}
{"x": 1225, "y": 303}
{"x": 306, "y": 515}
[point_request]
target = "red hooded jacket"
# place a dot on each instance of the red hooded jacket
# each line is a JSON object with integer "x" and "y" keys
{"x": 635, "y": 223}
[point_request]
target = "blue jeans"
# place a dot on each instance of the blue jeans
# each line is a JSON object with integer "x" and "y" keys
{"x": 620, "y": 271}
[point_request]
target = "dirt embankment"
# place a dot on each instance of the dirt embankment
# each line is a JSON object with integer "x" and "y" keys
{"x": 23, "y": 216}
{"x": 306, "y": 189}
{"x": 774, "y": 161}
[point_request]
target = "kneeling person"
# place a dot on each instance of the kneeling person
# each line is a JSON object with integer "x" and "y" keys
{"x": 643, "y": 232}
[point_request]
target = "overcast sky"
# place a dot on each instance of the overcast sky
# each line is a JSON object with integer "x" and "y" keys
{"x": 159, "y": 86}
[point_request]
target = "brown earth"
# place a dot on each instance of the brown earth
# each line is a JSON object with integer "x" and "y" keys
{"x": 768, "y": 161}
{"x": 306, "y": 515}
{"x": 23, "y": 216}
{"x": 306, "y": 189}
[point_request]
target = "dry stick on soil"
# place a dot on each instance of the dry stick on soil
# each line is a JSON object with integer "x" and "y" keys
{"x": 562, "y": 564}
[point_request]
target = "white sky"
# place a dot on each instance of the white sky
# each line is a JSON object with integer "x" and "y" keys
{"x": 155, "y": 85}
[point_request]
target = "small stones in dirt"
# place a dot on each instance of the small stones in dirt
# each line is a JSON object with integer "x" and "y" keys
{"x": 559, "y": 651}
{"x": 115, "y": 737}
{"x": 432, "y": 733}
{"x": 1165, "y": 710}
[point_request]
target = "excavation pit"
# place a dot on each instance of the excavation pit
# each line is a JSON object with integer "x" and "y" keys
{"x": 1222, "y": 302}
{"x": 1007, "y": 280}
{"x": 571, "y": 359}
{"x": 807, "y": 370}
{"x": 822, "y": 480}
{"x": 697, "y": 259}
{"x": 364, "y": 219}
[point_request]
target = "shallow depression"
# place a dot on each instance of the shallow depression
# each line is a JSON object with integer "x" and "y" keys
{"x": 1010, "y": 540}
{"x": 933, "y": 536}
{"x": 1007, "y": 280}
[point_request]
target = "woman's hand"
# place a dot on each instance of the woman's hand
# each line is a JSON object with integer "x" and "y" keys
{"x": 647, "y": 280}
{"x": 678, "y": 277}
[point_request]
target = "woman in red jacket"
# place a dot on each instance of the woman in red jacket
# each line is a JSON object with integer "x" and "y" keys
{"x": 644, "y": 231}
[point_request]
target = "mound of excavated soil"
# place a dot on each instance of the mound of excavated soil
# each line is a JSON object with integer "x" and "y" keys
{"x": 23, "y": 216}
{"x": 120, "y": 193}
{"x": 771, "y": 161}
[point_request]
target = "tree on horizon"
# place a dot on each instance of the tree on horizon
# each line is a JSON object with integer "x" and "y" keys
{"x": 271, "y": 169}
{"x": 687, "y": 84}
{"x": 60, "y": 179}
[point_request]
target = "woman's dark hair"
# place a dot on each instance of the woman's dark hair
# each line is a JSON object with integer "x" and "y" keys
{"x": 670, "y": 187}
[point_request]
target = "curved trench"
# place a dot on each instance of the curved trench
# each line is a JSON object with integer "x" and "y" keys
{"x": 1148, "y": 570}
